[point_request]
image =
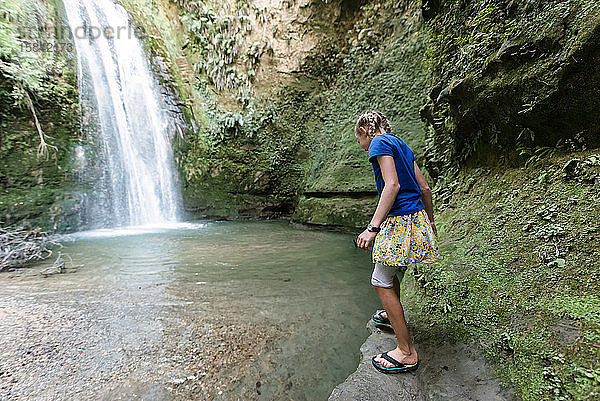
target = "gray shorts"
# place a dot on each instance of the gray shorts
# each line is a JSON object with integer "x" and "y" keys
{"x": 383, "y": 276}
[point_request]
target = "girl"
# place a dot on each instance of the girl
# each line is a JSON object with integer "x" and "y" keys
{"x": 402, "y": 227}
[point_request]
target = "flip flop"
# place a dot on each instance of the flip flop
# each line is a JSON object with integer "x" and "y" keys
{"x": 377, "y": 318}
{"x": 398, "y": 367}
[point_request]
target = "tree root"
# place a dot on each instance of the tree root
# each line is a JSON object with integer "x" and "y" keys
{"x": 20, "y": 247}
{"x": 42, "y": 149}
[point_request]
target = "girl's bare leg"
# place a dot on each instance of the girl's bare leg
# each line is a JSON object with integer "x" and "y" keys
{"x": 396, "y": 290}
{"x": 405, "y": 352}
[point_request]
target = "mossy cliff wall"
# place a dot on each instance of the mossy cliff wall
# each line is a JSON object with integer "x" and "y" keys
{"x": 37, "y": 87}
{"x": 274, "y": 88}
{"x": 253, "y": 155}
{"x": 379, "y": 68}
{"x": 512, "y": 142}
{"x": 510, "y": 79}
{"x": 518, "y": 274}
{"x": 470, "y": 81}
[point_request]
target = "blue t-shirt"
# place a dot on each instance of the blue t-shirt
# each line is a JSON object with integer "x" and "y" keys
{"x": 408, "y": 200}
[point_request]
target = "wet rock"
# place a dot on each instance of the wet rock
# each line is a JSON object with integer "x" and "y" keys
{"x": 340, "y": 211}
{"x": 512, "y": 48}
{"x": 571, "y": 167}
{"x": 509, "y": 48}
{"x": 455, "y": 90}
{"x": 446, "y": 372}
{"x": 444, "y": 95}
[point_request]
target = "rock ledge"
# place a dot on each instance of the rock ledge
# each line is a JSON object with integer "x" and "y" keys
{"x": 446, "y": 372}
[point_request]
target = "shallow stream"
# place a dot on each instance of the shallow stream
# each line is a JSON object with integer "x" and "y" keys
{"x": 218, "y": 310}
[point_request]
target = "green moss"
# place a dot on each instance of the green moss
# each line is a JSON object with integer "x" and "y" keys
{"x": 586, "y": 308}
{"x": 519, "y": 275}
{"x": 336, "y": 211}
{"x": 381, "y": 69}
{"x": 31, "y": 181}
{"x": 500, "y": 67}
{"x": 302, "y": 138}
{"x": 53, "y": 208}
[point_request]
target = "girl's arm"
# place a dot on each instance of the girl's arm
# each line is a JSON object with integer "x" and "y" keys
{"x": 426, "y": 198}
{"x": 390, "y": 190}
{"x": 386, "y": 200}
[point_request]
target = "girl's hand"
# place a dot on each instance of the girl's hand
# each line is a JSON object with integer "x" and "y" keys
{"x": 364, "y": 239}
{"x": 435, "y": 230}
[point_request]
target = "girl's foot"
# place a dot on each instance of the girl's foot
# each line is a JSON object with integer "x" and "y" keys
{"x": 381, "y": 317}
{"x": 397, "y": 354}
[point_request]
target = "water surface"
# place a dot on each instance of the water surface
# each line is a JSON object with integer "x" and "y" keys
{"x": 219, "y": 310}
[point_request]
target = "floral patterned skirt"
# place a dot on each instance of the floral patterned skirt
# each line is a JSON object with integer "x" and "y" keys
{"x": 406, "y": 239}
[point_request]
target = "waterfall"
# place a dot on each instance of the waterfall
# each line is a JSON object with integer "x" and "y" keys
{"x": 130, "y": 164}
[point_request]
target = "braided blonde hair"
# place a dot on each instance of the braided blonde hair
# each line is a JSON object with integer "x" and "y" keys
{"x": 372, "y": 121}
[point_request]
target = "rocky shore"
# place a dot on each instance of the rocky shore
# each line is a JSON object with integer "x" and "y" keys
{"x": 62, "y": 340}
{"x": 446, "y": 372}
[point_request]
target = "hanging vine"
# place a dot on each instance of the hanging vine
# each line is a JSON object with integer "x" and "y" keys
{"x": 218, "y": 38}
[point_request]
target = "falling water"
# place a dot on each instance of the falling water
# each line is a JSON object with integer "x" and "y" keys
{"x": 131, "y": 160}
